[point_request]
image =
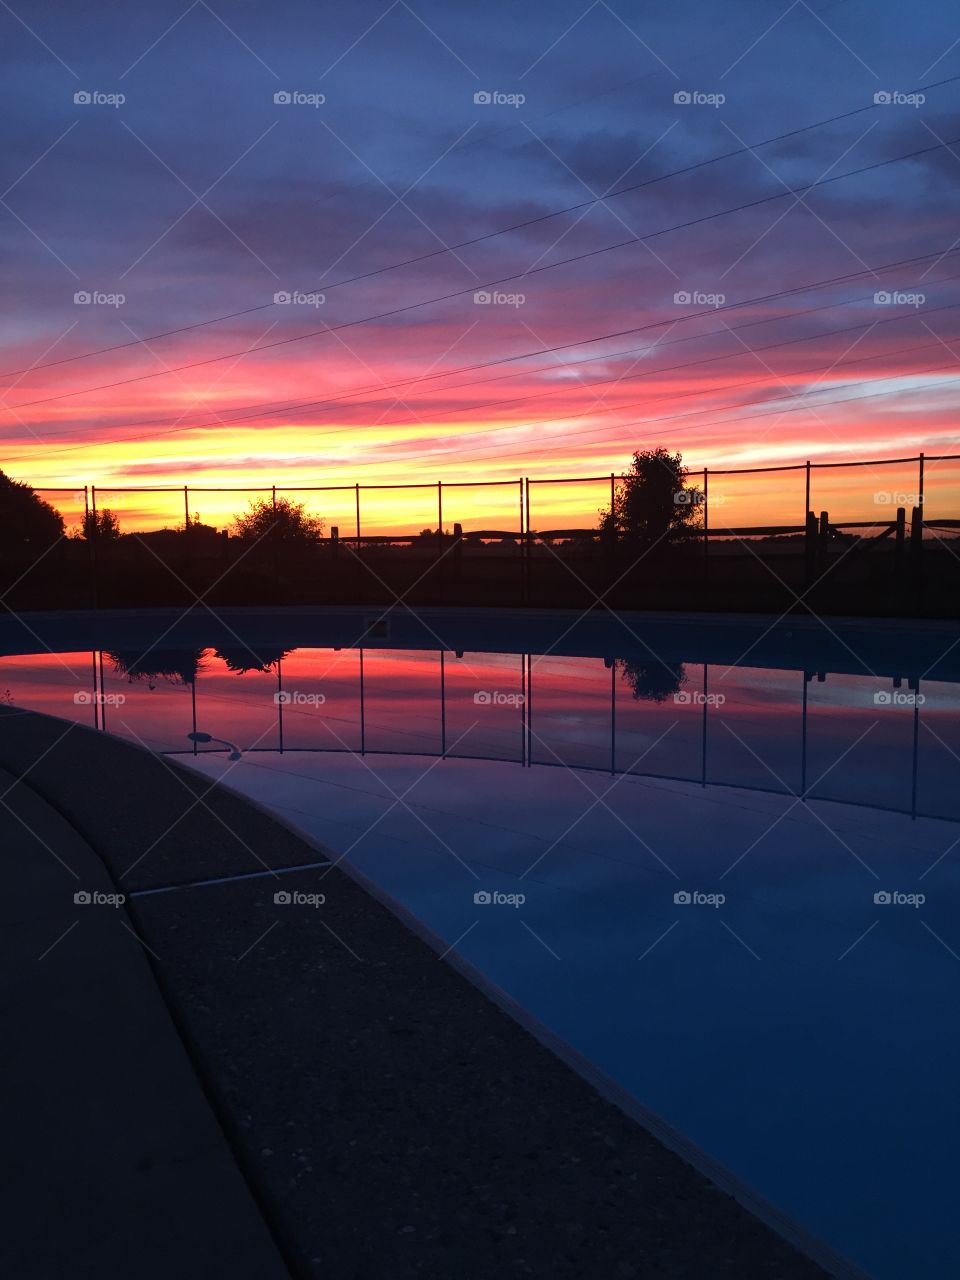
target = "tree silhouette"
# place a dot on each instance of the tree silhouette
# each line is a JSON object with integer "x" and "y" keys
{"x": 652, "y": 681}
{"x": 652, "y": 502}
{"x": 100, "y": 526}
{"x": 284, "y": 522}
{"x": 240, "y": 660}
{"x": 175, "y": 666}
{"x": 27, "y": 523}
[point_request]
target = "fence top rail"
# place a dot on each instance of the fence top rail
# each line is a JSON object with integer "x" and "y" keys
{"x": 875, "y": 462}
{"x": 421, "y": 484}
{"x": 752, "y": 471}
{"x": 277, "y": 488}
{"x": 477, "y": 484}
{"x": 472, "y": 484}
{"x": 282, "y": 488}
{"x": 577, "y": 479}
{"x": 200, "y": 488}
{"x": 134, "y": 488}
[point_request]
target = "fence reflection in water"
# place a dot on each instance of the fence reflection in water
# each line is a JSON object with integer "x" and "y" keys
{"x": 887, "y": 743}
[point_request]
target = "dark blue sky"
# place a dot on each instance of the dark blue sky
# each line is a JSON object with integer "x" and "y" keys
{"x": 200, "y": 194}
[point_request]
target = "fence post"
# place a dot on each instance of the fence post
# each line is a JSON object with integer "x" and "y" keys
{"x": 276, "y": 543}
{"x": 528, "y": 544}
{"x": 916, "y": 542}
{"x": 810, "y": 549}
{"x": 823, "y": 558}
{"x": 523, "y": 544}
{"x": 86, "y": 534}
{"x": 280, "y": 703}
{"x": 901, "y": 534}
{"x": 613, "y": 714}
{"x": 439, "y": 519}
{"x": 443, "y": 705}
{"x": 706, "y": 522}
{"x": 186, "y": 509}
{"x": 358, "y": 519}
{"x": 94, "y": 557}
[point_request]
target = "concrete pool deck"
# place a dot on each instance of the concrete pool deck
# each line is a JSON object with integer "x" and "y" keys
{"x": 386, "y": 1116}
{"x": 120, "y": 1165}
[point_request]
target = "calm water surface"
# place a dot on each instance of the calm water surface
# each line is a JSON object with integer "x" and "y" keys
{"x": 734, "y": 888}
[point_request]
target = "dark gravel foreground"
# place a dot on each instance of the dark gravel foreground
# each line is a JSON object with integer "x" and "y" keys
{"x": 391, "y": 1120}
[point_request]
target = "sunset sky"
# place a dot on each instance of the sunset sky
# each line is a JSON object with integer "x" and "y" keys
{"x": 198, "y": 198}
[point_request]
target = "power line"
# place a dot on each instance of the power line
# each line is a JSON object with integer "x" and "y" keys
{"x": 804, "y": 288}
{"x": 490, "y": 283}
{"x": 700, "y": 391}
{"x": 463, "y": 244}
{"x": 689, "y": 364}
{"x": 643, "y": 422}
{"x": 270, "y": 409}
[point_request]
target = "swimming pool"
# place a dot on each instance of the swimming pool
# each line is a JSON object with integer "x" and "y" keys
{"x": 731, "y": 884}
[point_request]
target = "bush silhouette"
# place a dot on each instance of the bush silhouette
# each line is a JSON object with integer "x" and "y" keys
{"x": 240, "y": 660}
{"x": 173, "y": 666}
{"x": 27, "y": 523}
{"x": 284, "y": 522}
{"x": 100, "y": 526}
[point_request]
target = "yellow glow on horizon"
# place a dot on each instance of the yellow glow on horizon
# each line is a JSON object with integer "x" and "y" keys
{"x": 300, "y": 456}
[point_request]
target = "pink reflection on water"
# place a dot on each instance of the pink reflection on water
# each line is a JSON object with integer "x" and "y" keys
{"x": 742, "y": 727}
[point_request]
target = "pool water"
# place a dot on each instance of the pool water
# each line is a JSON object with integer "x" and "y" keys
{"x": 734, "y": 888}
